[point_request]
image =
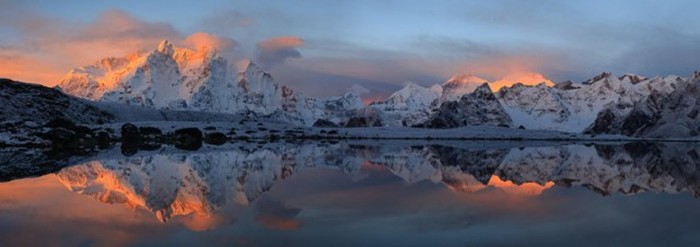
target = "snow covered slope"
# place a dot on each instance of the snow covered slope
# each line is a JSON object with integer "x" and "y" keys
{"x": 457, "y": 86}
{"x": 408, "y": 105}
{"x": 574, "y": 107}
{"x": 671, "y": 112}
{"x": 566, "y": 106}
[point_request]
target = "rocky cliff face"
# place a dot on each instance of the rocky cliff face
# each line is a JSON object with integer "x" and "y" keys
{"x": 480, "y": 107}
{"x": 670, "y": 113}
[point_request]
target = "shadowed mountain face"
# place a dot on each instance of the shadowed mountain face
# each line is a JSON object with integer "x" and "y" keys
{"x": 23, "y": 102}
{"x": 173, "y": 183}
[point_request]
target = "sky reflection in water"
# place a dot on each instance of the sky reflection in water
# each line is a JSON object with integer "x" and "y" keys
{"x": 348, "y": 195}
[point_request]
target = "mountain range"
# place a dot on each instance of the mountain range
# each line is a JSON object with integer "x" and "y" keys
{"x": 203, "y": 80}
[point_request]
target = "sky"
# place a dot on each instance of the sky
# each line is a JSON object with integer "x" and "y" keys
{"x": 324, "y": 48}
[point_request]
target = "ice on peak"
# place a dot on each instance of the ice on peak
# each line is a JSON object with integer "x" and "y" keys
{"x": 483, "y": 89}
{"x": 166, "y": 47}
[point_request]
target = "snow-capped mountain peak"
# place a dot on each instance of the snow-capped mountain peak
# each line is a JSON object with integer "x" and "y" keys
{"x": 412, "y": 97}
{"x": 166, "y": 47}
{"x": 465, "y": 79}
{"x": 459, "y": 85}
{"x": 480, "y": 107}
{"x": 632, "y": 78}
{"x": 598, "y": 77}
{"x": 177, "y": 78}
{"x": 409, "y": 102}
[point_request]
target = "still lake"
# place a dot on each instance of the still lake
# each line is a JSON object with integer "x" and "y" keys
{"x": 362, "y": 193}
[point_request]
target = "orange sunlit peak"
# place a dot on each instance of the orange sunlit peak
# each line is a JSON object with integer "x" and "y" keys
{"x": 524, "y": 189}
{"x": 525, "y": 77}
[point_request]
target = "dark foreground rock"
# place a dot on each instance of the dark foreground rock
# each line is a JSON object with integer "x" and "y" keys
{"x": 215, "y": 138}
{"x": 188, "y": 138}
{"x": 322, "y": 123}
{"x": 66, "y": 136}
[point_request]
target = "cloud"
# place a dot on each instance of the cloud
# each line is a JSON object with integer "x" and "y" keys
{"x": 49, "y": 48}
{"x": 430, "y": 61}
{"x": 359, "y": 90}
{"x": 275, "y": 215}
{"x": 116, "y": 25}
{"x": 28, "y": 68}
{"x": 277, "y": 50}
{"x": 667, "y": 50}
{"x": 200, "y": 40}
{"x": 317, "y": 83}
{"x": 227, "y": 20}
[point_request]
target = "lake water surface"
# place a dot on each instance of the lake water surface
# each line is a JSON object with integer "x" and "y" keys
{"x": 366, "y": 193}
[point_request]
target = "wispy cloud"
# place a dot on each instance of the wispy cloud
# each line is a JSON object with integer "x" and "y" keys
{"x": 277, "y": 50}
{"x": 51, "y": 47}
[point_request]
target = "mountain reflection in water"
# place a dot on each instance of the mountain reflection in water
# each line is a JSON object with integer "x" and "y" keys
{"x": 437, "y": 188}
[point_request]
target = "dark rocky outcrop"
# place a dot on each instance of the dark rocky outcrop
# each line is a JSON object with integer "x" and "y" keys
{"x": 322, "y": 123}
{"x": 41, "y": 105}
{"x": 66, "y": 136}
{"x": 215, "y": 138}
{"x": 188, "y": 138}
{"x": 480, "y": 107}
{"x": 365, "y": 117}
{"x": 131, "y": 139}
{"x": 130, "y": 133}
{"x": 565, "y": 85}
